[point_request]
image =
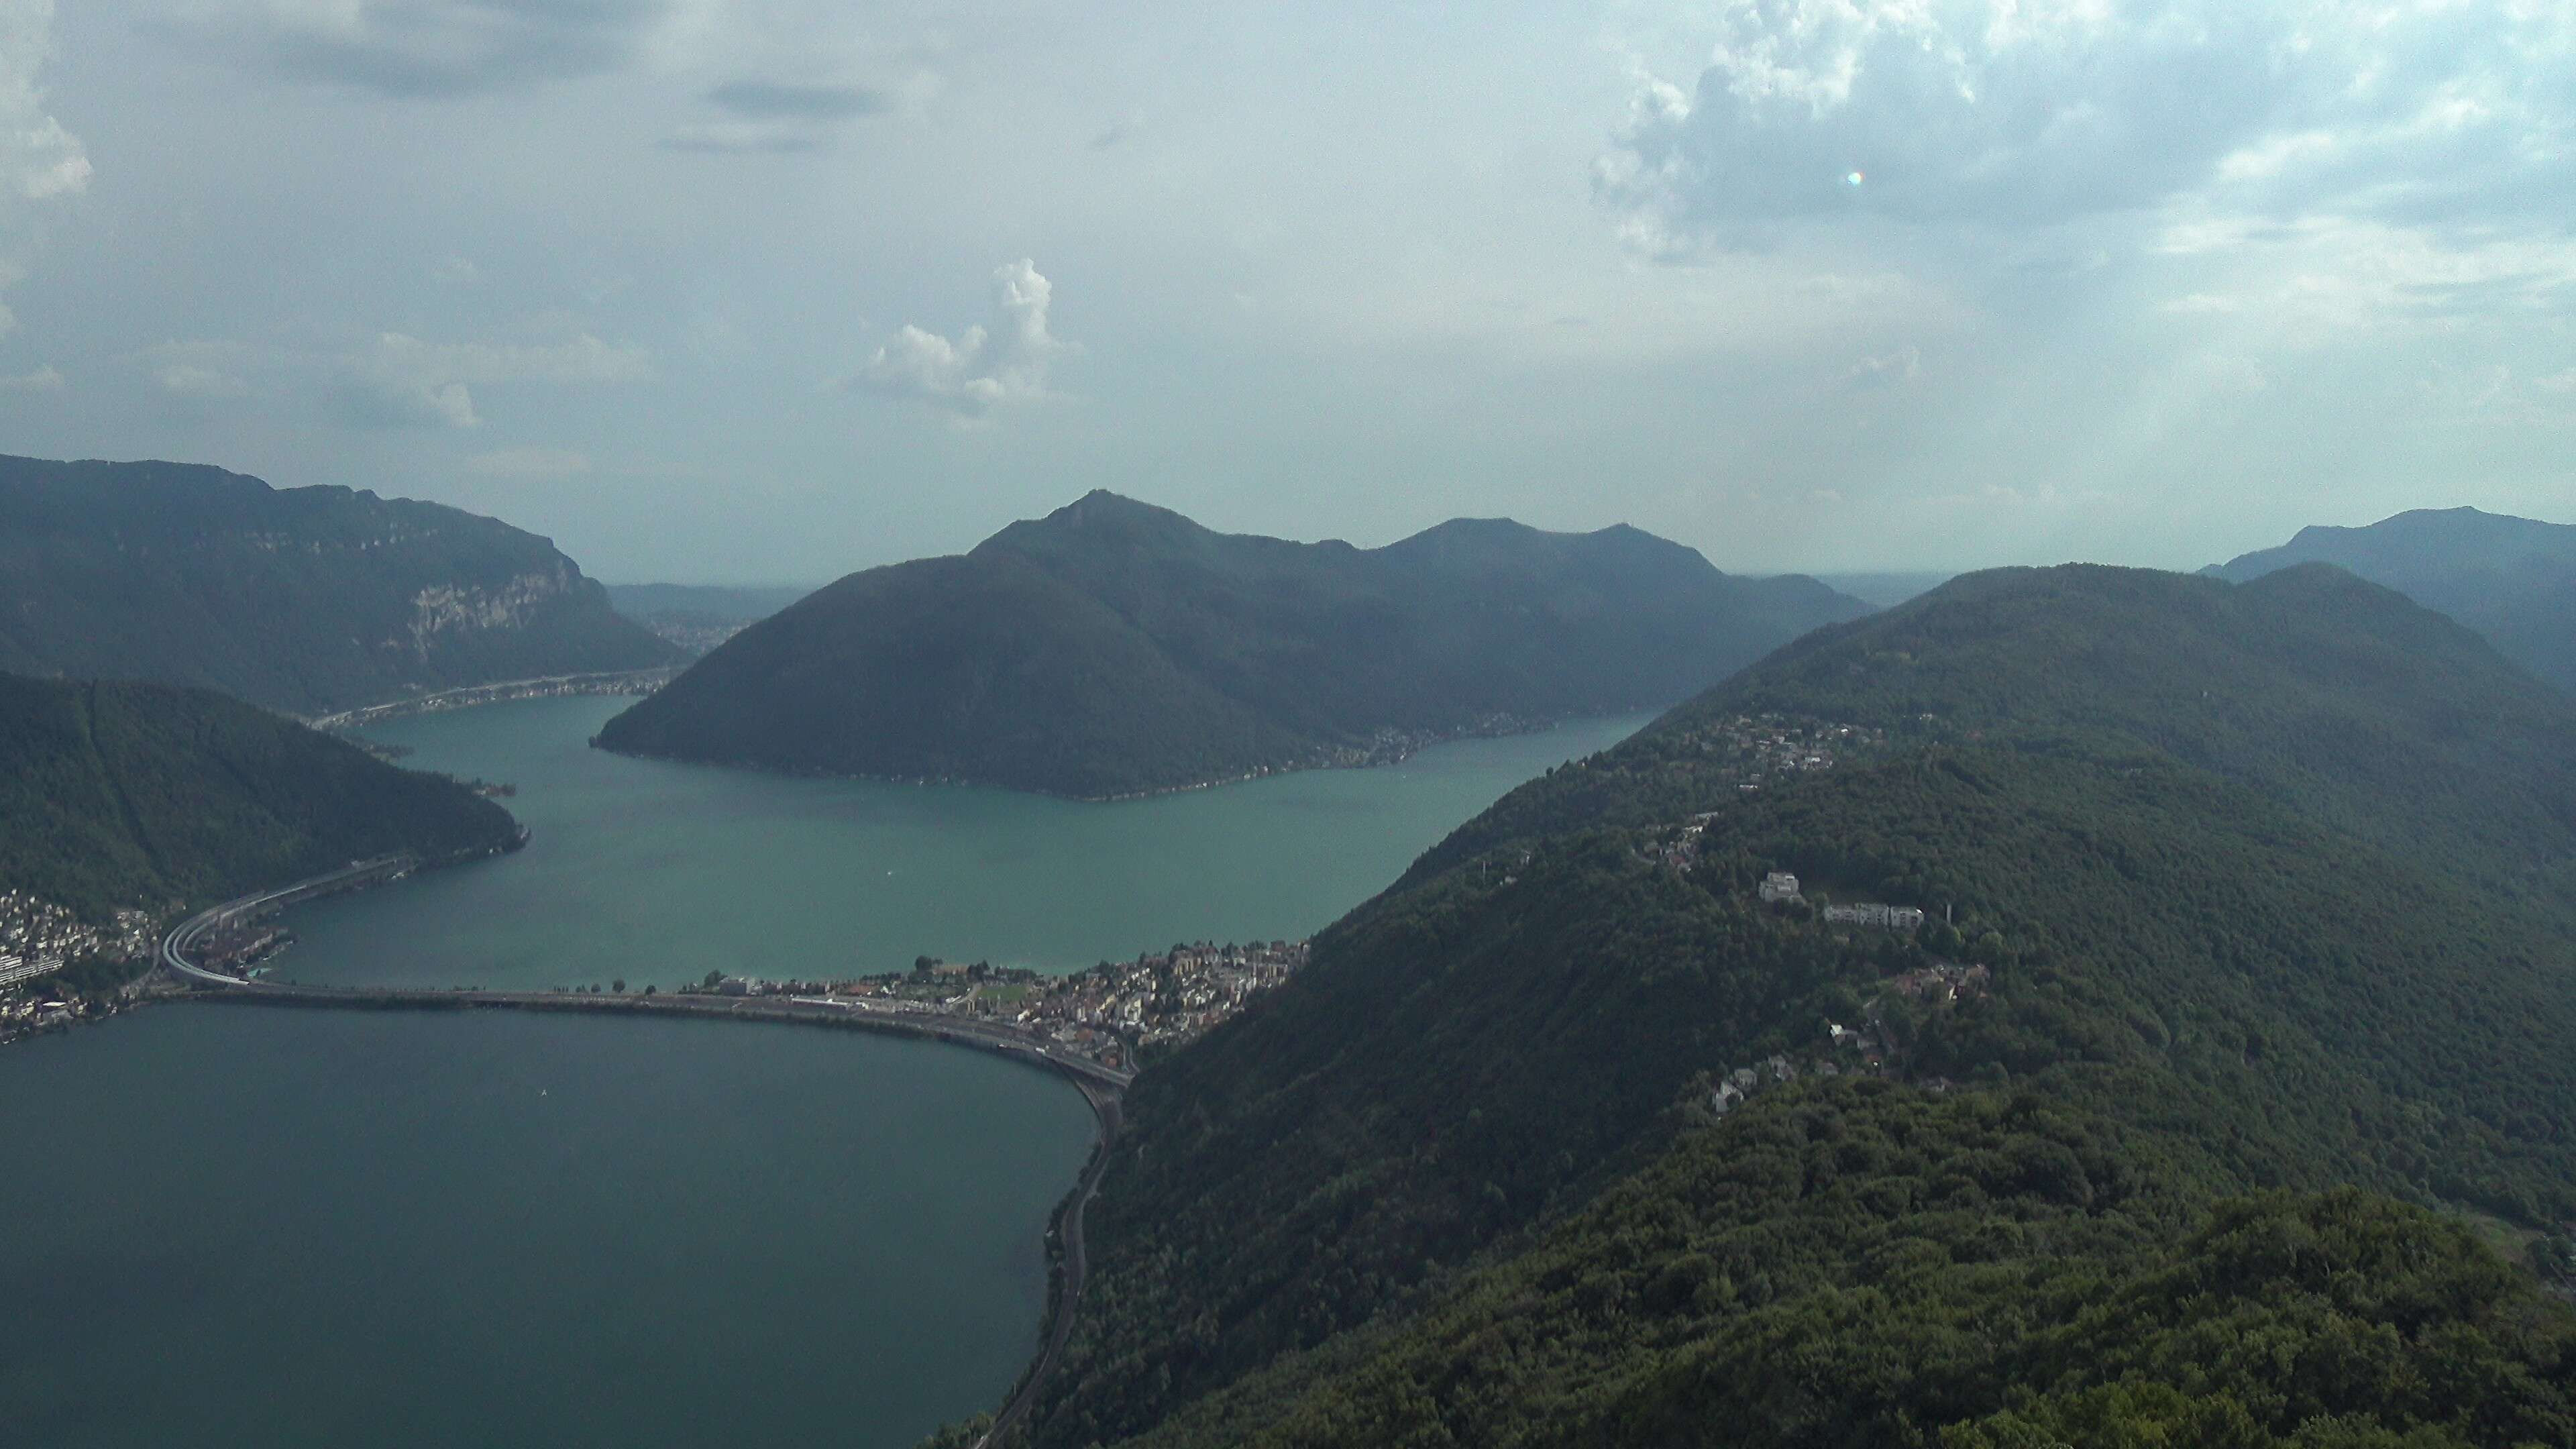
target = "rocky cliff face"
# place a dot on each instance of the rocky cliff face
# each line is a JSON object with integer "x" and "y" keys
{"x": 305, "y": 600}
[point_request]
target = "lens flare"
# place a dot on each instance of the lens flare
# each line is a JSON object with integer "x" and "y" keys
{"x": 1854, "y": 179}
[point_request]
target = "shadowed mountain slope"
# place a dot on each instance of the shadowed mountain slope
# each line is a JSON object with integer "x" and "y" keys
{"x": 2267, "y": 885}
{"x": 147, "y": 796}
{"x": 2512, "y": 580}
{"x": 304, "y": 600}
{"x": 1113, "y": 647}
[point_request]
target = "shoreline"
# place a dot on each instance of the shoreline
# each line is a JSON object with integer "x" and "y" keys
{"x": 792, "y": 772}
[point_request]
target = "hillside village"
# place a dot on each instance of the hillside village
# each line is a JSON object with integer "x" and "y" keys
{"x": 38, "y": 939}
{"x": 1868, "y": 1047}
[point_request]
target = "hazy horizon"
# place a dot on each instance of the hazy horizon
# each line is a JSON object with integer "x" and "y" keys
{"x": 727, "y": 291}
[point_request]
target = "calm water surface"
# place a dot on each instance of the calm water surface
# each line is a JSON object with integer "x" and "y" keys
{"x": 236, "y": 1226}
{"x": 246, "y": 1227}
{"x": 661, "y": 872}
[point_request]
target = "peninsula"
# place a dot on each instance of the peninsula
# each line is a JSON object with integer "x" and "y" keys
{"x": 1114, "y": 648}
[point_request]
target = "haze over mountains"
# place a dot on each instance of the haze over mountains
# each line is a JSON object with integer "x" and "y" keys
{"x": 2263, "y": 887}
{"x": 304, "y": 600}
{"x": 1114, "y": 647}
{"x": 2511, "y": 579}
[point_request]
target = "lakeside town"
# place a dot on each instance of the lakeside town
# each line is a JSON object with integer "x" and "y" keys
{"x": 39, "y": 939}
{"x": 1115, "y": 1013}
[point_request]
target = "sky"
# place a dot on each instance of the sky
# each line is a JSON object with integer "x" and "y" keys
{"x": 724, "y": 291}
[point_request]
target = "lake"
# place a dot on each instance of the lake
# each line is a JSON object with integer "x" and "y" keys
{"x": 240, "y": 1227}
{"x": 657, "y": 872}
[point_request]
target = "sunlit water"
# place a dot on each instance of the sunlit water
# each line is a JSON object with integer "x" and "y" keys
{"x": 246, "y": 1227}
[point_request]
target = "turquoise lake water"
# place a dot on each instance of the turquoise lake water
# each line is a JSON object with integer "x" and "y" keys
{"x": 248, "y": 1227}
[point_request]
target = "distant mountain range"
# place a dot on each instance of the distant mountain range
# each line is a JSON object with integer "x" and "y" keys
{"x": 1113, "y": 647}
{"x": 304, "y": 600}
{"x": 2249, "y": 908}
{"x": 2512, "y": 580}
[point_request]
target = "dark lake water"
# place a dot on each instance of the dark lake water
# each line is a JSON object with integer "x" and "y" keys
{"x": 662, "y": 872}
{"x": 237, "y": 1226}
{"x": 247, "y": 1227}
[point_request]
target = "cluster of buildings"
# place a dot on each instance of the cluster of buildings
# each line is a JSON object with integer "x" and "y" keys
{"x": 1106, "y": 1013}
{"x": 1748, "y": 748}
{"x": 1857, "y": 1050}
{"x": 39, "y": 938}
{"x": 1781, "y": 888}
{"x": 639, "y": 681}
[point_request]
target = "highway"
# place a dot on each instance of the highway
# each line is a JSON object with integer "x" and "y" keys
{"x": 184, "y": 937}
{"x": 1075, "y": 1264}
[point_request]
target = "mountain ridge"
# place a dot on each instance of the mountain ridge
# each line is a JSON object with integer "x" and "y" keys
{"x": 301, "y": 600}
{"x": 2513, "y": 580}
{"x": 2272, "y": 963}
{"x": 1114, "y": 647}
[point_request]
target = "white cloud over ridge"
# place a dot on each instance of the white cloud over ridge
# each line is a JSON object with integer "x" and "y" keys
{"x": 982, "y": 368}
{"x": 409, "y": 380}
{"x": 2031, "y": 113}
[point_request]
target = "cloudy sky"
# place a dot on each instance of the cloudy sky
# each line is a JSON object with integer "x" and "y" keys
{"x": 719, "y": 290}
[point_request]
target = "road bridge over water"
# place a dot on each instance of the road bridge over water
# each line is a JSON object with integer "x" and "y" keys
{"x": 1103, "y": 1087}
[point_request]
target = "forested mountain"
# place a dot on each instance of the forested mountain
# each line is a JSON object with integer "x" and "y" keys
{"x": 304, "y": 600}
{"x": 2511, "y": 579}
{"x": 1113, "y": 647}
{"x": 2241, "y": 897}
{"x": 149, "y": 796}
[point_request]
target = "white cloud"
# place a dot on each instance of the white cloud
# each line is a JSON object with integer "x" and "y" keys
{"x": 425, "y": 47}
{"x": 2031, "y": 113}
{"x": 1884, "y": 370}
{"x": 529, "y": 464}
{"x": 404, "y": 379}
{"x": 982, "y": 368}
{"x": 43, "y": 379}
{"x": 39, "y": 160}
{"x": 195, "y": 379}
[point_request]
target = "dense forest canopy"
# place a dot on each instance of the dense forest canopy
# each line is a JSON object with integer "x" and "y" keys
{"x": 2253, "y": 895}
{"x": 150, "y": 797}
{"x": 304, "y": 600}
{"x": 1113, "y": 648}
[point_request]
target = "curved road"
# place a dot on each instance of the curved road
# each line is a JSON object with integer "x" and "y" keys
{"x": 1104, "y": 1105}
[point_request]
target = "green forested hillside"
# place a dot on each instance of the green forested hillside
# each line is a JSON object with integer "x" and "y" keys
{"x": 2266, "y": 881}
{"x": 1862, "y": 1263}
{"x": 1114, "y": 647}
{"x": 118, "y": 795}
{"x": 304, "y": 600}
{"x": 2513, "y": 580}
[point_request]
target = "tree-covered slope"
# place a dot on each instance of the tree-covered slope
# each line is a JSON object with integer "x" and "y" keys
{"x": 148, "y": 796}
{"x": 2512, "y": 580}
{"x": 1113, "y": 647}
{"x": 304, "y": 600}
{"x": 2280, "y": 962}
{"x": 2329, "y": 694}
{"x": 1865, "y": 1263}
